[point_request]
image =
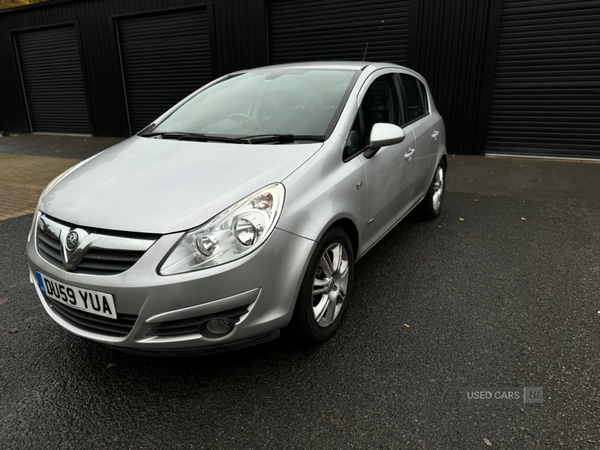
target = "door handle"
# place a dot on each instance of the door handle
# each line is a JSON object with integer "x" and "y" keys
{"x": 435, "y": 135}
{"x": 408, "y": 155}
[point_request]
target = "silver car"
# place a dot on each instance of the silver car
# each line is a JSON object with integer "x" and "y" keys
{"x": 239, "y": 212}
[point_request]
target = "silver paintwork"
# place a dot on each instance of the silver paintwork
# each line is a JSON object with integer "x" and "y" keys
{"x": 167, "y": 187}
{"x": 163, "y": 186}
{"x": 317, "y": 195}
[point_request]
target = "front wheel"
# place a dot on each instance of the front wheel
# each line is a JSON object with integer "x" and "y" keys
{"x": 431, "y": 205}
{"x": 327, "y": 284}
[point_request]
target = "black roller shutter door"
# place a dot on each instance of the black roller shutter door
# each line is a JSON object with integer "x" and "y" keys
{"x": 547, "y": 85}
{"x": 164, "y": 58}
{"x": 53, "y": 80}
{"x": 313, "y": 30}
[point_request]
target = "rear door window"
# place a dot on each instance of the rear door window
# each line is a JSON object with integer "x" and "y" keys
{"x": 416, "y": 97}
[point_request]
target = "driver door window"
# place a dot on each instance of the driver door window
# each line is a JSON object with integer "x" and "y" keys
{"x": 381, "y": 104}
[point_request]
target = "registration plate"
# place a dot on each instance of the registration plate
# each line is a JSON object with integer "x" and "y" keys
{"x": 93, "y": 302}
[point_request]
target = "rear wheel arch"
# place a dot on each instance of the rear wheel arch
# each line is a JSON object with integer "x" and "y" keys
{"x": 444, "y": 160}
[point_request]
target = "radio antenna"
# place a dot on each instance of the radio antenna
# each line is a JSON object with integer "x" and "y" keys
{"x": 365, "y": 54}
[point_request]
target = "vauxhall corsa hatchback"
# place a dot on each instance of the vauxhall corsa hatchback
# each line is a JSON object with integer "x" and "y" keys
{"x": 240, "y": 211}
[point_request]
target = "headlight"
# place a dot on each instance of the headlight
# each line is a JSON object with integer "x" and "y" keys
{"x": 232, "y": 234}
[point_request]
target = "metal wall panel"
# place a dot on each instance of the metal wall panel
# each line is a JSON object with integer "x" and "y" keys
{"x": 312, "y": 30}
{"x": 238, "y": 39}
{"x": 165, "y": 57}
{"x": 546, "y": 99}
{"x": 448, "y": 47}
{"x": 524, "y": 71}
{"x": 53, "y": 81}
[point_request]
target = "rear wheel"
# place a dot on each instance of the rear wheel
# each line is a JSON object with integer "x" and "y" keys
{"x": 431, "y": 205}
{"x": 327, "y": 284}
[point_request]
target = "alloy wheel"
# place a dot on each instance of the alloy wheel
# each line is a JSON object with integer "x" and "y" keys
{"x": 438, "y": 188}
{"x": 330, "y": 285}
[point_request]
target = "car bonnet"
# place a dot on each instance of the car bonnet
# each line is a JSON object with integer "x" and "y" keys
{"x": 162, "y": 186}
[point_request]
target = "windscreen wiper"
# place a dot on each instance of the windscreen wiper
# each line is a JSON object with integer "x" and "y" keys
{"x": 282, "y": 138}
{"x": 195, "y": 137}
{"x": 257, "y": 139}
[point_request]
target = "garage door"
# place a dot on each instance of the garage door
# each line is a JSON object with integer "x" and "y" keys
{"x": 50, "y": 66}
{"x": 312, "y": 30}
{"x": 547, "y": 86}
{"x": 164, "y": 58}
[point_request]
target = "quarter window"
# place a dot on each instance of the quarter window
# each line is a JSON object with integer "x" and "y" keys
{"x": 355, "y": 140}
{"x": 416, "y": 97}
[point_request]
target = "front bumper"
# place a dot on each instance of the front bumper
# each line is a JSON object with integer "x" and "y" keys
{"x": 267, "y": 281}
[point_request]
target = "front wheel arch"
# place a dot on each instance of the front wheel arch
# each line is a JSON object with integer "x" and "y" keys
{"x": 350, "y": 228}
{"x": 304, "y": 325}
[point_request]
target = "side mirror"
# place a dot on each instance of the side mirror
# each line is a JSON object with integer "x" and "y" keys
{"x": 382, "y": 135}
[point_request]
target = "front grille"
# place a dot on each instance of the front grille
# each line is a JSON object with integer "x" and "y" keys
{"x": 119, "y": 327}
{"x": 191, "y": 326}
{"x": 49, "y": 248}
{"x": 97, "y": 261}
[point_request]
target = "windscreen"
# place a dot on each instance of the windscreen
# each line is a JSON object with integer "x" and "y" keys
{"x": 285, "y": 101}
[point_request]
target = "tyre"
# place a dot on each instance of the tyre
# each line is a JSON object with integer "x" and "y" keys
{"x": 431, "y": 205}
{"x": 326, "y": 287}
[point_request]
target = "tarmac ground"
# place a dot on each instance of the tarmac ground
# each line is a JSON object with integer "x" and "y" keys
{"x": 78, "y": 147}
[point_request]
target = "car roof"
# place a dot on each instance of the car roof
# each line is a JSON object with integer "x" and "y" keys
{"x": 348, "y": 65}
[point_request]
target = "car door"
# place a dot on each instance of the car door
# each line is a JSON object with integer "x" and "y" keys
{"x": 389, "y": 174}
{"x": 426, "y": 130}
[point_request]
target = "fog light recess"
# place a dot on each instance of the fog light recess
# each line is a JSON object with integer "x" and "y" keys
{"x": 216, "y": 327}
